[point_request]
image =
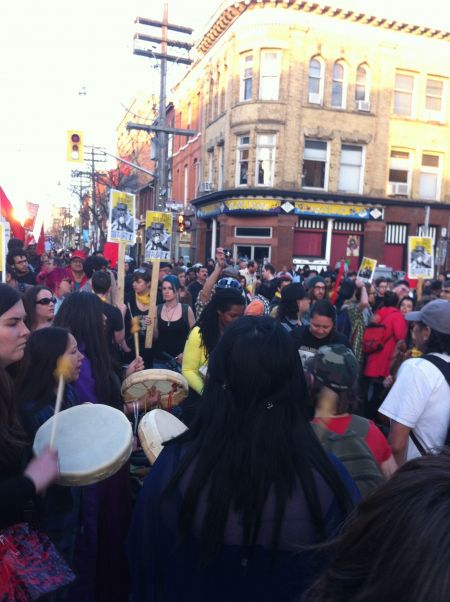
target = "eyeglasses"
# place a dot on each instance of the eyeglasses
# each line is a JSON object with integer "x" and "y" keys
{"x": 46, "y": 301}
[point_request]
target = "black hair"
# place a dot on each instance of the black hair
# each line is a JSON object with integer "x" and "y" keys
{"x": 29, "y": 303}
{"x": 323, "y": 307}
{"x": 42, "y": 351}
{"x": 406, "y": 298}
{"x": 390, "y": 299}
{"x": 437, "y": 342}
{"x": 93, "y": 263}
{"x": 14, "y": 244}
{"x": 252, "y": 263}
{"x": 397, "y": 546}
{"x": 208, "y": 322}
{"x": 82, "y": 314}
{"x": 378, "y": 281}
{"x": 101, "y": 282}
{"x": 15, "y": 252}
{"x": 142, "y": 274}
{"x": 270, "y": 267}
{"x": 252, "y": 436}
{"x": 287, "y": 309}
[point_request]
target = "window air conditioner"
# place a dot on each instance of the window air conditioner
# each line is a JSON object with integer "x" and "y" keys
{"x": 207, "y": 186}
{"x": 363, "y": 105}
{"x": 314, "y": 98}
{"x": 397, "y": 188}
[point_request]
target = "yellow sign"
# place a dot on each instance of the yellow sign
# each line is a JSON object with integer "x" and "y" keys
{"x": 252, "y": 204}
{"x": 331, "y": 209}
{"x": 121, "y": 217}
{"x": 420, "y": 257}
{"x": 367, "y": 269}
{"x": 158, "y": 235}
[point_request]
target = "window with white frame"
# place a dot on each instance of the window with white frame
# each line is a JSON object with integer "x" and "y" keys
{"x": 400, "y": 170}
{"x": 221, "y": 167}
{"x": 246, "y": 77}
{"x": 351, "y": 169}
{"x": 269, "y": 75}
{"x": 211, "y": 165}
{"x": 404, "y": 92}
{"x": 362, "y": 88}
{"x": 434, "y": 97}
{"x": 315, "y": 164}
{"x": 242, "y": 158}
{"x": 315, "y": 81}
{"x": 265, "y": 159}
{"x": 338, "y": 87}
{"x": 430, "y": 177}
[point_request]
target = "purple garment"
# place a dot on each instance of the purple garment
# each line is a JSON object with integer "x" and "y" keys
{"x": 100, "y": 561}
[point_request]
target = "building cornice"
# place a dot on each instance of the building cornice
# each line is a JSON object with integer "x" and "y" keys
{"x": 229, "y": 12}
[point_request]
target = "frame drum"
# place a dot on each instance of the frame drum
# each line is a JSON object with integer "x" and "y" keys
{"x": 155, "y": 428}
{"x": 172, "y": 386}
{"x": 93, "y": 442}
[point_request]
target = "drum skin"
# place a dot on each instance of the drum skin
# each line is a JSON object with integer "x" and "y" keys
{"x": 155, "y": 428}
{"x": 172, "y": 386}
{"x": 93, "y": 442}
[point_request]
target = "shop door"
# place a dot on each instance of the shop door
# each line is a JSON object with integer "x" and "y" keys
{"x": 346, "y": 246}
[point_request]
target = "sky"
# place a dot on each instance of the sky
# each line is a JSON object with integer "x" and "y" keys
{"x": 51, "y": 49}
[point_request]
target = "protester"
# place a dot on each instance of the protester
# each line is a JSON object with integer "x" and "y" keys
{"x": 418, "y": 404}
{"x": 138, "y": 304}
{"x": 39, "y": 304}
{"x": 445, "y": 292}
{"x": 232, "y": 504}
{"x": 378, "y": 363}
{"x": 381, "y": 285}
{"x": 201, "y": 274}
{"x": 293, "y": 308}
{"x": 316, "y": 288}
{"x": 174, "y": 321}
{"x": 351, "y": 303}
{"x": 268, "y": 286}
{"x": 356, "y": 441}
{"x": 19, "y": 483}
{"x": 115, "y": 327}
{"x": 10, "y": 279}
{"x": 59, "y": 281}
{"x": 79, "y": 278}
{"x": 320, "y": 331}
{"x": 396, "y": 547}
{"x": 17, "y": 259}
{"x": 184, "y": 295}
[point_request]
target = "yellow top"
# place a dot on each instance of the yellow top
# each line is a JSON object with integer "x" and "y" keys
{"x": 193, "y": 359}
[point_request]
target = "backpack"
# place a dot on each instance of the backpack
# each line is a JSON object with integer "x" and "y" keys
{"x": 374, "y": 338}
{"x": 351, "y": 449}
{"x": 444, "y": 368}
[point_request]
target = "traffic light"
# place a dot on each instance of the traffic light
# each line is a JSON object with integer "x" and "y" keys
{"x": 75, "y": 146}
{"x": 181, "y": 224}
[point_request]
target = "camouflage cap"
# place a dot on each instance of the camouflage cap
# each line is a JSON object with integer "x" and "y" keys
{"x": 335, "y": 366}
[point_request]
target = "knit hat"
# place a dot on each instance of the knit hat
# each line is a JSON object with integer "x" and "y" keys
{"x": 293, "y": 292}
{"x": 8, "y": 298}
{"x": 173, "y": 280}
{"x": 311, "y": 282}
{"x": 335, "y": 366}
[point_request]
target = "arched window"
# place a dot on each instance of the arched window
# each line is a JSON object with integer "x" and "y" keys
{"x": 339, "y": 86}
{"x": 315, "y": 81}
{"x": 362, "y": 88}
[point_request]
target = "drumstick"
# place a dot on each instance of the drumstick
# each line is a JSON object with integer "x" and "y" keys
{"x": 62, "y": 373}
{"x": 135, "y": 331}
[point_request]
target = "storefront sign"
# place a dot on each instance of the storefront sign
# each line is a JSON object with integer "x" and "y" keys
{"x": 252, "y": 205}
{"x": 336, "y": 210}
{"x": 210, "y": 210}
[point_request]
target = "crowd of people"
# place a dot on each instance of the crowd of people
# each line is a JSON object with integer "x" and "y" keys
{"x": 314, "y": 464}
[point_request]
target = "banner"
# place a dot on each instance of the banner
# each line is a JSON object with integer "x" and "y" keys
{"x": 158, "y": 235}
{"x": 367, "y": 269}
{"x": 122, "y": 209}
{"x": 2, "y": 253}
{"x": 420, "y": 257}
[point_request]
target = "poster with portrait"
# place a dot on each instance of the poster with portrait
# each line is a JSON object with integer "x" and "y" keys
{"x": 352, "y": 246}
{"x": 2, "y": 252}
{"x": 158, "y": 235}
{"x": 367, "y": 269}
{"x": 420, "y": 257}
{"x": 122, "y": 209}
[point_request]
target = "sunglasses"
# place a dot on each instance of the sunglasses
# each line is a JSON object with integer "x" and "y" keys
{"x": 46, "y": 301}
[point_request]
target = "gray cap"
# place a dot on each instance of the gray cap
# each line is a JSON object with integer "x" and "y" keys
{"x": 435, "y": 314}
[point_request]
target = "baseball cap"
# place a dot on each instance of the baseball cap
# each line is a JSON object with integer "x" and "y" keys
{"x": 435, "y": 314}
{"x": 335, "y": 366}
{"x": 78, "y": 255}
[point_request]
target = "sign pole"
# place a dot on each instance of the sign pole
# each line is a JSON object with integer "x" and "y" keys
{"x": 120, "y": 293}
{"x": 152, "y": 308}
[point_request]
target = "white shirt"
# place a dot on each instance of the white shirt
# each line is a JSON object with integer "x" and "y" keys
{"x": 420, "y": 400}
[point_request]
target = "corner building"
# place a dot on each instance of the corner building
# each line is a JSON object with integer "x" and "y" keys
{"x": 323, "y": 134}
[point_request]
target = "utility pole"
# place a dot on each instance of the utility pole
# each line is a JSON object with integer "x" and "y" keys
{"x": 160, "y": 128}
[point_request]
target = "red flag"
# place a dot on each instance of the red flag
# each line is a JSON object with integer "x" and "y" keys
{"x": 17, "y": 230}
{"x": 338, "y": 283}
{"x": 40, "y": 247}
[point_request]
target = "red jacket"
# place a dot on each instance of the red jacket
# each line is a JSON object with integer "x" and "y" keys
{"x": 396, "y": 329}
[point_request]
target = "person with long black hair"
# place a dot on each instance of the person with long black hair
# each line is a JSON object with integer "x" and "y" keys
{"x": 19, "y": 483}
{"x": 39, "y": 303}
{"x": 396, "y": 548}
{"x": 231, "y": 506}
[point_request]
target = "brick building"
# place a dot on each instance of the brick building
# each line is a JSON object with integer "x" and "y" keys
{"x": 322, "y": 133}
